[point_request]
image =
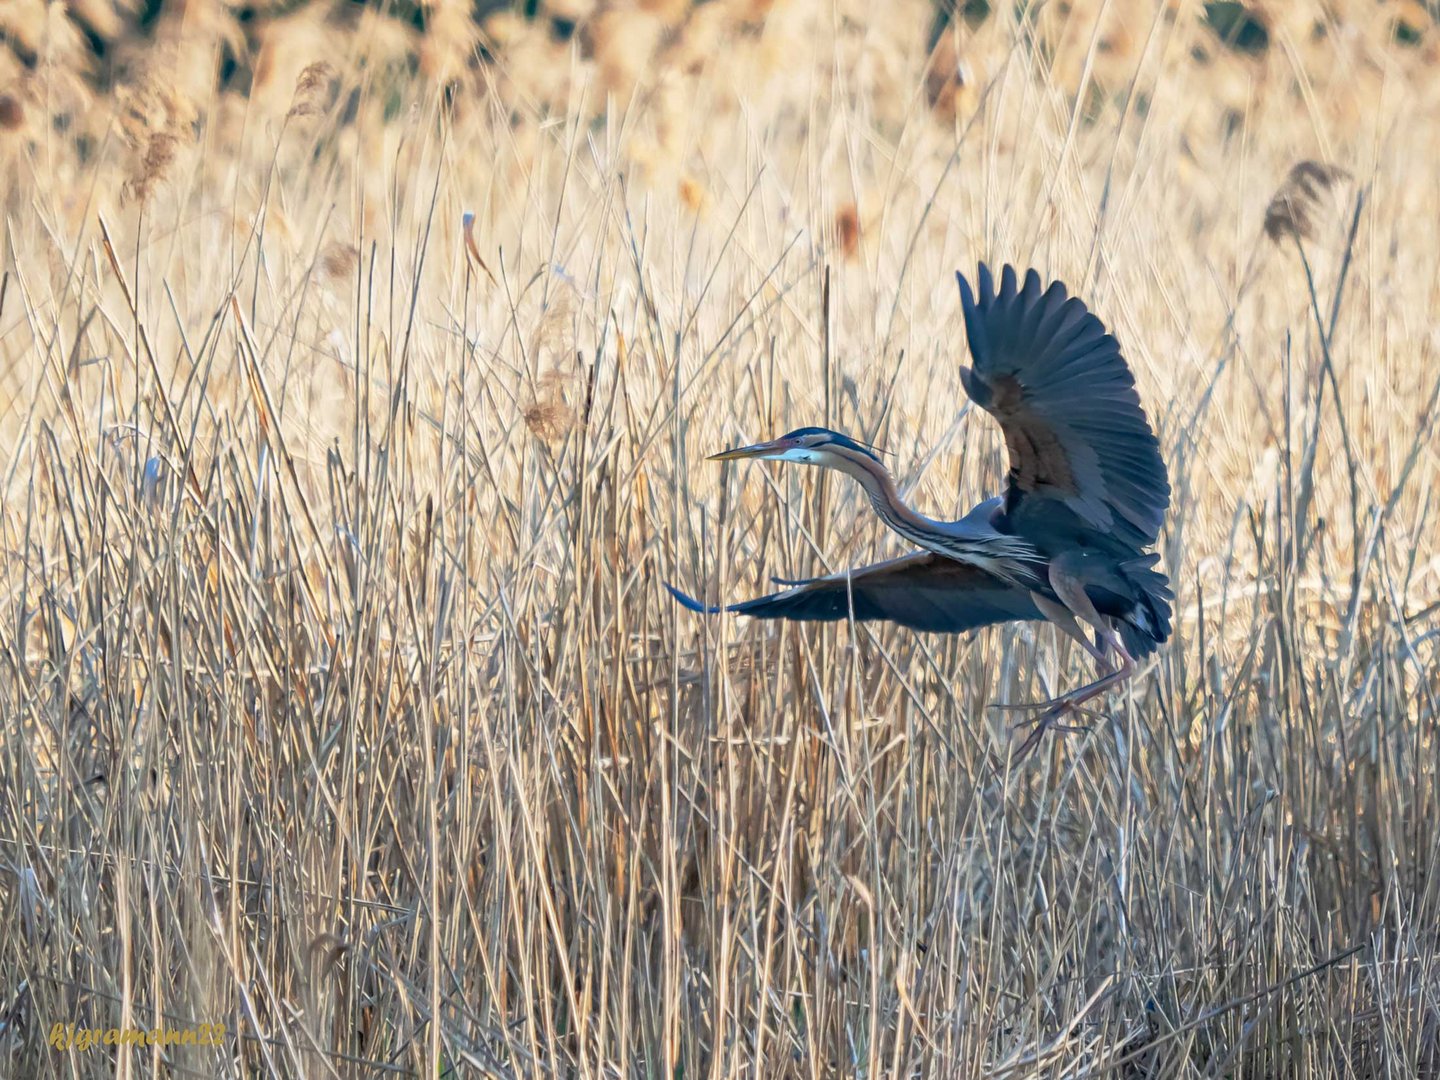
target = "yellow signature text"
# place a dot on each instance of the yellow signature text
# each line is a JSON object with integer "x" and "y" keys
{"x": 71, "y": 1037}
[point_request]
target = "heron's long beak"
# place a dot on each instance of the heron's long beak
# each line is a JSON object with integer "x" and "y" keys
{"x": 759, "y": 450}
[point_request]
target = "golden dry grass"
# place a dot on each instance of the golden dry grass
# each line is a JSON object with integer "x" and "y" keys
{"x": 341, "y": 700}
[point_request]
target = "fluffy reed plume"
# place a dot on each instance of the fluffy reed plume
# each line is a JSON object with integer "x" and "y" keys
{"x": 338, "y": 261}
{"x": 549, "y": 420}
{"x": 532, "y": 64}
{"x": 155, "y": 120}
{"x": 152, "y": 167}
{"x": 1294, "y": 207}
{"x": 550, "y": 416}
{"x": 310, "y": 89}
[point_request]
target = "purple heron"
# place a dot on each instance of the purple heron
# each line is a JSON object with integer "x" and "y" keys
{"x": 1067, "y": 541}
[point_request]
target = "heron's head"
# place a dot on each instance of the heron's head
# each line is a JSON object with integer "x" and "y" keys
{"x": 809, "y": 446}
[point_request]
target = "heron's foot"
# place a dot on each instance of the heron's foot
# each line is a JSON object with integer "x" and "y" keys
{"x": 1048, "y": 720}
{"x": 1028, "y": 706}
{"x": 1059, "y": 704}
{"x": 1056, "y": 710}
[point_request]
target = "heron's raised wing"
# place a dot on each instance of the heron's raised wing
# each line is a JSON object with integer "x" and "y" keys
{"x": 1046, "y": 369}
{"x": 922, "y": 590}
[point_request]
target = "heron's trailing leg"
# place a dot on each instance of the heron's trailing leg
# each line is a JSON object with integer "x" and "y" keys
{"x": 1064, "y": 618}
{"x": 1075, "y": 605}
{"x": 1073, "y": 602}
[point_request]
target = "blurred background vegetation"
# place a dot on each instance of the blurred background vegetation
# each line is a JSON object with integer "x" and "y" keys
{"x": 57, "y": 55}
{"x": 155, "y": 81}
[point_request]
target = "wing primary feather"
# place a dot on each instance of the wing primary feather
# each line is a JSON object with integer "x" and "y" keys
{"x": 689, "y": 603}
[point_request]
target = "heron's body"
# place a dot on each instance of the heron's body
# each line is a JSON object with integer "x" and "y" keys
{"x": 1068, "y": 540}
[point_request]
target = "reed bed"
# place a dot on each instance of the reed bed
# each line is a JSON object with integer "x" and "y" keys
{"x": 356, "y": 378}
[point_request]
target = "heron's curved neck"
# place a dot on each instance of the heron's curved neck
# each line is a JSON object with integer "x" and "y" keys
{"x": 972, "y": 539}
{"x": 880, "y": 487}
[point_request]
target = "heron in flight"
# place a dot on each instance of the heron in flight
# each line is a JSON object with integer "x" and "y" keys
{"x": 1067, "y": 541}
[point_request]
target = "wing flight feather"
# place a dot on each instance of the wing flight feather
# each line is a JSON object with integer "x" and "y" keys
{"x": 923, "y": 591}
{"x": 1048, "y": 371}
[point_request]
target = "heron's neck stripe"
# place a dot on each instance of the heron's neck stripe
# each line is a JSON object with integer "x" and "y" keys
{"x": 997, "y": 555}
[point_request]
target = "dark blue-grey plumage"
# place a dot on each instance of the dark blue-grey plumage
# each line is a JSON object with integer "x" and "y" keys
{"x": 1085, "y": 468}
{"x": 923, "y": 591}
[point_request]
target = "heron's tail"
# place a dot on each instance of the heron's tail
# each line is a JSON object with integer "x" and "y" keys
{"x": 1147, "y": 625}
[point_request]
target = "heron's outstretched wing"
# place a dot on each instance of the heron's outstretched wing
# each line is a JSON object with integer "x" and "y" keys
{"x": 1055, "y": 380}
{"x": 922, "y": 590}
